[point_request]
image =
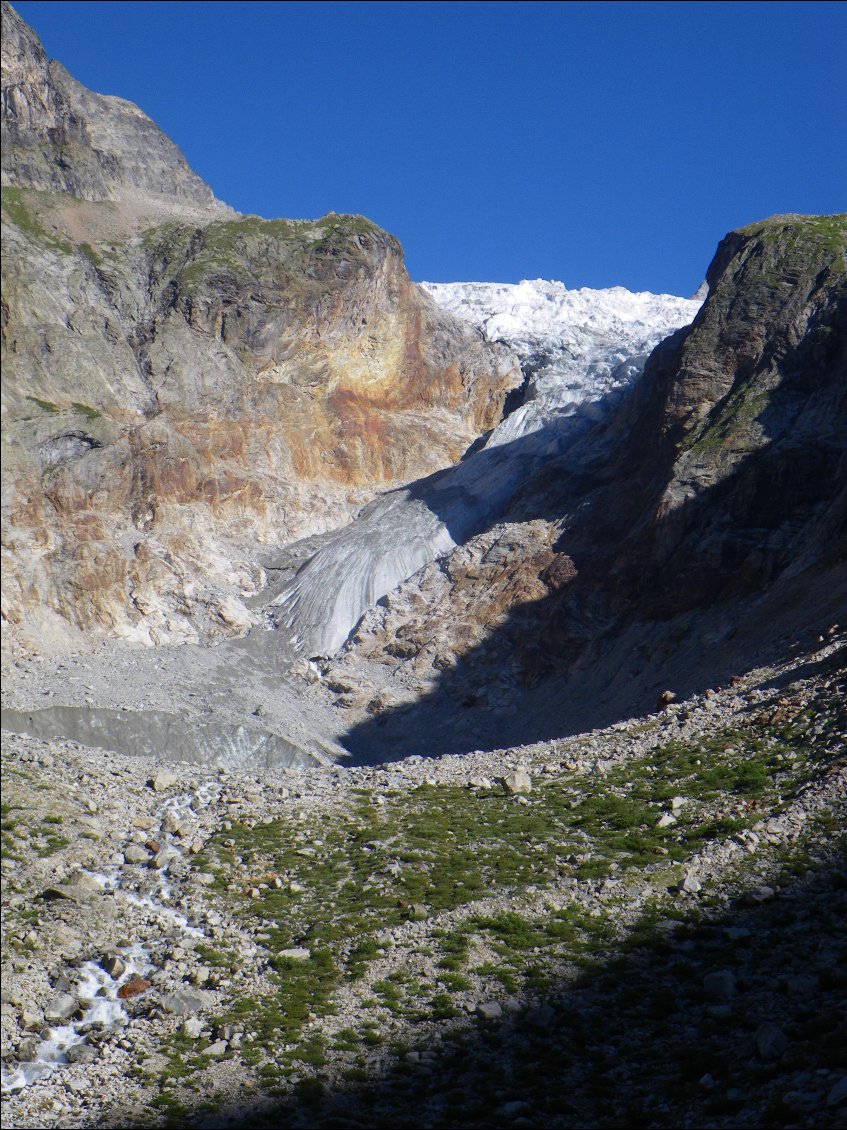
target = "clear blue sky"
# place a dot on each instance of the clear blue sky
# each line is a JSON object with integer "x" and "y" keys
{"x": 598, "y": 144}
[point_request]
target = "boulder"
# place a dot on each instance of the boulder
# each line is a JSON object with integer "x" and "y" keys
{"x": 184, "y": 1002}
{"x": 519, "y": 781}
{"x": 60, "y": 1008}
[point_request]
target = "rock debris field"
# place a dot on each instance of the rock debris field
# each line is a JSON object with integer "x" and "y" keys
{"x": 641, "y": 926}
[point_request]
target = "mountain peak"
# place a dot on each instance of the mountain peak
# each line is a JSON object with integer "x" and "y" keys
{"x": 58, "y": 136}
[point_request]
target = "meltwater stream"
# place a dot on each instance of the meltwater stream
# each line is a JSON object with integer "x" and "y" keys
{"x": 94, "y": 988}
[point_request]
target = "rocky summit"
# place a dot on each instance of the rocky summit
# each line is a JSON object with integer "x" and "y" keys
{"x": 423, "y": 705}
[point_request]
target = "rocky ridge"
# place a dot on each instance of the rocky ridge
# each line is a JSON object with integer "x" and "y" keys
{"x": 60, "y": 137}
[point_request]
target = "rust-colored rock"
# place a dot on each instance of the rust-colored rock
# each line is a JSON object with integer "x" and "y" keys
{"x": 133, "y": 987}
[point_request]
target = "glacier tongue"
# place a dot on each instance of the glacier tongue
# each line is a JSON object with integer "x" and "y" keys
{"x": 580, "y": 350}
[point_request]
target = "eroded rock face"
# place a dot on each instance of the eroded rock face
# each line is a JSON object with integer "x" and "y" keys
{"x": 431, "y": 630}
{"x": 747, "y": 416}
{"x": 177, "y": 393}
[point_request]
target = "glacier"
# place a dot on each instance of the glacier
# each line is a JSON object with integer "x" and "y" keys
{"x": 580, "y": 351}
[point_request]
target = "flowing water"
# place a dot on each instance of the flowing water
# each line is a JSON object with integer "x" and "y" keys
{"x": 95, "y": 990}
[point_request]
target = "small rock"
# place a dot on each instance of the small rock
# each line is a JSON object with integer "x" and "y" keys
{"x": 665, "y": 820}
{"x": 418, "y": 912}
{"x": 60, "y": 1008}
{"x": 66, "y": 891}
{"x": 184, "y": 1002}
{"x": 217, "y": 1048}
{"x": 296, "y": 953}
{"x": 489, "y": 1010}
{"x": 133, "y": 987}
{"x": 513, "y": 1109}
{"x": 27, "y": 1050}
{"x": 192, "y": 1027}
{"x": 145, "y": 823}
{"x": 759, "y": 894}
{"x": 691, "y": 885}
{"x": 517, "y": 782}
{"x": 771, "y": 1041}
{"x": 163, "y": 781}
{"x": 135, "y": 853}
{"x": 541, "y": 1017}
{"x": 665, "y": 699}
{"x": 165, "y": 856}
{"x": 171, "y": 822}
{"x": 720, "y": 985}
{"x": 736, "y": 933}
{"x": 678, "y": 802}
{"x": 82, "y": 1053}
{"x": 114, "y": 965}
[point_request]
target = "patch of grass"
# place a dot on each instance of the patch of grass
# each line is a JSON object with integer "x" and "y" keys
{"x": 85, "y": 410}
{"x": 89, "y": 252}
{"x": 356, "y": 877}
{"x": 44, "y": 405}
{"x": 17, "y": 205}
{"x": 455, "y": 982}
{"x": 443, "y": 1007}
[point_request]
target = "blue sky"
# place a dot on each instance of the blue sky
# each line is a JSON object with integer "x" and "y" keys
{"x": 598, "y": 144}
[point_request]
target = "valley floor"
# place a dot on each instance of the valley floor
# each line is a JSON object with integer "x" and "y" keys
{"x": 636, "y": 926}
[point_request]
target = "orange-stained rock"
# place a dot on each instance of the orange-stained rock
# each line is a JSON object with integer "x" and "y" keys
{"x": 165, "y": 415}
{"x": 133, "y": 987}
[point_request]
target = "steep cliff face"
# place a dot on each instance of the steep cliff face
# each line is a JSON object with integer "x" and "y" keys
{"x": 182, "y": 384}
{"x": 698, "y": 525}
{"x": 747, "y": 416}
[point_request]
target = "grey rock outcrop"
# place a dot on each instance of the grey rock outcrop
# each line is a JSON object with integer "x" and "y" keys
{"x": 58, "y": 136}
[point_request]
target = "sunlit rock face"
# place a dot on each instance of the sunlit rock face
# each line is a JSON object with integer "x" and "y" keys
{"x": 183, "y": 385}
{"x": 580, "y": 351}
{"x": 59, "y": 137}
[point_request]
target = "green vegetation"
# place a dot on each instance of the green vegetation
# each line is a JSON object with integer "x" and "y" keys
{"x": 828, "y": 233}
{"x": 44, "y": 405}
{"x": 84, "y": 410}
{"x": 335, "y": 887}
{"x": 728, "y": 425}
{"x": 285, "y": 251}
{"x": 17, "y": 206}
{"x": 89, "y": 252}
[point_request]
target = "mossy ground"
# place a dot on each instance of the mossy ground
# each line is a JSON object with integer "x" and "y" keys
{"x": 339, "y": 889}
